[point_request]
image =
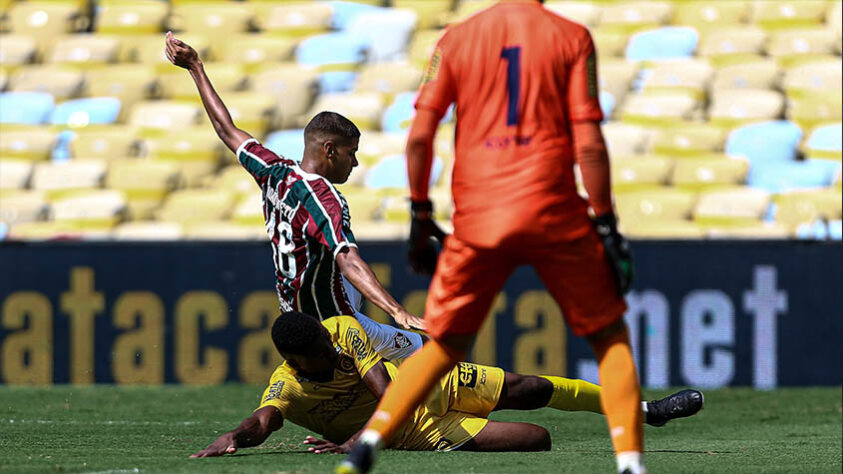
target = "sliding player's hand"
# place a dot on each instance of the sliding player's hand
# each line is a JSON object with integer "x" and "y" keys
{"x": 422, "y": 252}
{"x": 225, "y": 444}
{"x": 321, "y": 446}
{"x": 180, "y": 53}
{"x": 617, "y": 251}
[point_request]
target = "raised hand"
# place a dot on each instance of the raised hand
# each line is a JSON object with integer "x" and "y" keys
{"x": 180, "y": 53}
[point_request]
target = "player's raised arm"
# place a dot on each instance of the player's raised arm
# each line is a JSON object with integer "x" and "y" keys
{"x": 184, "y": 56}
{"x": 252, "y": 432}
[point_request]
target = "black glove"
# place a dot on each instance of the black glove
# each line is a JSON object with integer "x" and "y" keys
{"x": 421, "y": 250}
{"x": 617, "y": 251}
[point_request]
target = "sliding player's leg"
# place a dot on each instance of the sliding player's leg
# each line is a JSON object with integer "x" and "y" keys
{"x": 530, "y": 392}
{"x": 502, "y": 436}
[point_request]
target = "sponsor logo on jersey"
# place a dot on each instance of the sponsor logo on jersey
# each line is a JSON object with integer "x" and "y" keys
{"x": 330, "y": 409}
{"x": 401, "y": 341}
{"x": 433, "y": 66}
{"x": 467, "y": 375}
{"x": 354, "y": 340}
{"x": 591, "y": 66}
{"x": 274, "y": 391}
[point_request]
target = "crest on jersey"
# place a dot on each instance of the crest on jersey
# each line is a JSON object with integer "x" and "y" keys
{"x": 346, "y": 363}
{"x": 400, "y": 341}
{"x": 433, "y": 66}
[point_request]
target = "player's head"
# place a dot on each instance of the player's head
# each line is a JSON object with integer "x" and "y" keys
{"x": 332, "y": 139}
{"x": 303, "y": 342}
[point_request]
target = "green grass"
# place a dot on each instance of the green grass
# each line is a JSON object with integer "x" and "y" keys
{"x": 131, "y": 429}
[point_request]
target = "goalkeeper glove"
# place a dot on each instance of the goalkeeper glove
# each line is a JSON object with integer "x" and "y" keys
{"x": 617, "y": 252}
{"x": 421, "y": 251}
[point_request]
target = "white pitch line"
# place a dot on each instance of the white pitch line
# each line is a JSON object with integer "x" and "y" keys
{"x": 12, "y": 421}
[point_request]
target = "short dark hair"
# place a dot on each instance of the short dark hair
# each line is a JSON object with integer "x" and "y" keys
{"x": 333, "y": 124}
{"x": 295, "y": 333}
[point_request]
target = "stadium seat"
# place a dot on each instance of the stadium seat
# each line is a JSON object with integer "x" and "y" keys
{"x": 24, "y": 206}
{"x": 395, "y": 208}
{"x": 765, "y": 142}
{"x": 788, "y": 45}
{"x": 465, "y": 9}
{"x": 104, "y": 143}
{"x": 85, "y": 50}
{"x": 639, "y": 172}
{"x": 388, "y": 79}
{"x": 625, "y": 139}
{"x": 428, "y": 12}
{"x": 255, "y": 51}
{"x": 835, "y": 230}
{"x": 196, "y": 151}
{"x": 677, "y": 229}
{"x": 215, "y": 19}
{"x": 609, "y": 43}
{"x": 61, "y": 83}
{"x": 89, "y": 210}
{"x": 363, "y": 204}
{"x": 30, "y": 143}
{"x": 287, "y": 143}
{"x": 223, "y": 230}
{"x": 735, "y": 107}
{"x": 585, "y": 13}
{"x": 825, "y": 142}
{"x": 375, "y": 145}
{"x": 679, "y": 74}
{"x": 252, "y": 111}
{"x": 731, "y": 207}
{"x": 616, "y": 76}
{"x": 709, "y": 14}
{"x": 391, "y": 172}
{"x": 386, "y": 31}
{"x": 130, "y": 83}
{"x": 144, "y": 183}
{"x": 834, "y": 20}
{"x": 816, "y": 109}
{"x": 787, "y": 176}
{"x": 293, "y": 19}
{"x": 688, "y": 139}
{"x": 607, "y": 105}
{"x": 234, "y": 178}
{"x": 344, "y": 11}
{"x": 196, "y": 205}
{"x": 141, "y": 231}
{"x": 164, "y": 115}
{"x": 813, "y": 78}
{"x": 17, "y": 49}
{"x": 84, "y": 112}
{"x": 294, "y": 86}
{"x": 336, "y": 55}
{"x": 702, "y": 174}
{"x": 659, "y": 108}
{"x": 249, "y": 207}
{"x": 30, "y": 108}
{"x": 731, "y": 44}
{"x": 630, "y": 17}
{"x": 662, "y": 43}
{"x": 67, "y": 177}
{"x": 382, "y": 230}
{"x": 662, "y": 204}
{"x": 149, "y": 49}
{"x": 754, "y": 231}
{"x": 177, "y": 85}
{"x": 14, "y": 174}
{"x": 364, "y": 109}
{"x": 45, "y": 20}
{"x": 131, "y": 18}
{"x": 795, "y": 208}
{"x": 398, "y": 116}
{"x": 752, "y": 73}
{"x": 421, "y": 47}
{"x": 774, "y": 14}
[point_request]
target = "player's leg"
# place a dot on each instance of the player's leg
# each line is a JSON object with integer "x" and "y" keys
{"x": 390, "y": 342}
{"x": 502, "y": 436}
{"x": 530, "y": 392}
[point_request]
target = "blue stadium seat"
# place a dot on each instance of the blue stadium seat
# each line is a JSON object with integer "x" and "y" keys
{"x": 287, "y": 143}
{"x": 399, "y": 115}
{"x": 821, "y": 230}
{"x": 777, "y": 177}
{"x": 82, "y": 112}
{"x": 337, "y": 81}
{"x": 333, "y": 50}
{"x": 29, "y": 108}
{"x": 344, "y": 12}
{"x": 825, "y": 139}
{"x": 607, "y": 104}
{"x": 835, "y": 230}
{"x": 391, "y": 172}
{"x": 388, "y": 31}
{"x": 764, "y": 142}
{"x": 662, "y": 43}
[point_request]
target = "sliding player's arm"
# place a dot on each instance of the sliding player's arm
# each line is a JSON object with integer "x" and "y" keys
{"x": 252, "y": 432}
{"x": 182, "y": 55}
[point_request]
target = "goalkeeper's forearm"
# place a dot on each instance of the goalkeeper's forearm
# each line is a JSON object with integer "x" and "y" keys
{"x": 591, "y": 154}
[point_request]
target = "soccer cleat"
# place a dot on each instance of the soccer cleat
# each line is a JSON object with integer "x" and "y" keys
{"x": 359, "y": 460}
{"x": 678, "y": 405}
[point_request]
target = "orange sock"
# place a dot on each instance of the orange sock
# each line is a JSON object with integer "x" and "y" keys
{"x": 621, "y": 394}
{"x": 416, "y": 378}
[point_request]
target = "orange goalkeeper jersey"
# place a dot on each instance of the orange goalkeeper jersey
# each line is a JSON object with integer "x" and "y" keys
{"x": 519, "y": 76}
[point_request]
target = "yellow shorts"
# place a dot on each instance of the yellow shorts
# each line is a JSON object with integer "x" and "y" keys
{"x": 456, "y": 412}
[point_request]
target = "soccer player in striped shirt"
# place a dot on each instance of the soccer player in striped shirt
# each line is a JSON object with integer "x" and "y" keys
{"x": 307, "y": 219}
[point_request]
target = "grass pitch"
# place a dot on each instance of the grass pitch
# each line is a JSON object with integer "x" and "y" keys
{"x": 154, "y": 429}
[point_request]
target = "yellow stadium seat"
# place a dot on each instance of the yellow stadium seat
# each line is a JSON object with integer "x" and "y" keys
{"x": 14, "y": 174}
{"x": 688, "y": 139}
{"x": 664, "y": 204}
{"x": 196, "y": 205}
{"x": 639, "y": 172}
{"x": 422, "y": 45}
{"x": 834, "y": 20}
{"x": 139, "y": 231}
{"x": 631, "y": 17}
{"x": 676, "y": 229}
{"x": 89, "y": 210}
{"x": 44, "y": 21}
{"x": 131, "y": 83}
{"x": 813, "y": 78}
{"x": 29, "y": 143}
{"x": 731, "y": 44}
{"x": 149, "y": 49}
{"x": 794, "y": 208}
{"x": 135, "y": 17}
{"x": 36, "y": 231}
{"x": 249, "y": 208}
{"x": 691, "y": 75}
{"x": 701, "y": 174}
{"x": 383, "y": 230}
{"x": 616, "y": 75}
{"x": 625, "y": 139}
{"x": 775, "y": 14}
{"x": 364, "y": 109}
{"x": 364, "y": 205}
{"x": 196, "y": 151}
{"x": 790, "y": 45}
{"x": 164, "y": 115}
{"x": 104, "y": 143}
{"x": 255, "y": 50}
{"x": 816, "y": 109}
{"x": 293, "y": 19}
{"x": 144, "y": 183}
{"x": 62, "y": 83}
{"x": 736, "y": 206}
{"x": 388, "y": 78}
{"x": 85, "y": 50}
{"x": 252, "y": 111}
{"x": 294, "y": 87}
{"x": 753, "y": 73}
{"x": 429, "y": 12}
{"x": 4, "y": 78}
{"x": 735, "y": 107}
{"x": 67, "y": 177}
{"x": 755, "y": 230}
{"x": 609, "y": 43}
{"x": 17, "y": 49}
{"x": 585, "y": 13}
{"x": 233, "y": 178}
{"x": 217, "y": 19}
{"x": 707, "y": 14}
{"x": 465, "y": 9}
{"x": 26, "y": 206}
{"x": 375, "y": 145}
{"x": 177, "y": 84}
{"x": 659, "y": 109}
{"x": 223, "y": 230}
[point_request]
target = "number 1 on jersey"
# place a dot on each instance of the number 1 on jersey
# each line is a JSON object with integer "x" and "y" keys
{"x": 512, "y": 56}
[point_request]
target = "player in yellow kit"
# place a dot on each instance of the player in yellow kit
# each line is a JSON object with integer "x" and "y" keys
{"x": 333, "y": 378}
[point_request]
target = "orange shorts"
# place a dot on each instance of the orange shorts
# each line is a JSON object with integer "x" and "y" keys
{"x": 575, "y": 273}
